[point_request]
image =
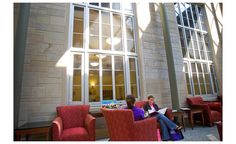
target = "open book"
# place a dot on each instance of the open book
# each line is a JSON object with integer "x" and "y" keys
{"x": 162, "y": 111}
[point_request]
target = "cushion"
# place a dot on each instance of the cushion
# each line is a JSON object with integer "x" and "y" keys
{"x": 75, "y": 134}
{"x": 73, "y": 116}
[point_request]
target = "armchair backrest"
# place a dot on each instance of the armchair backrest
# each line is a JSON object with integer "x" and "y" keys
{"x": 140, "y": 104}
{"x": 73, "y": 116}
{"x": 120, "y": 123}
{"x": 194, "y": 100}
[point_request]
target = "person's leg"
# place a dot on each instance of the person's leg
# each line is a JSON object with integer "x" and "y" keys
{"x": 171, "y": 125}
{"x": 164, "y": 130}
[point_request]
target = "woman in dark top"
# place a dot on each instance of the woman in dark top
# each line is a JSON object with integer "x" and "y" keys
{"x": 165, "y": 123}
{"x": 138, "y": 112}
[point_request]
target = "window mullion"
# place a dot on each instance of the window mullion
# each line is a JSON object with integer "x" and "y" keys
{"x": 100, "y": 79}
{"x": 86, "y": 56}
{"x": 137, "y": 77}
{"x": 113, "y": 77}
{"x": 126, "y": 56}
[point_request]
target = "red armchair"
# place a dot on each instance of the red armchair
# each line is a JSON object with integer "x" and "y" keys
{"x": 73, "y": 123}
{"x": 212, "y": 110}
{"x": 122, "y": 127}
{"x": 167, "y": 114}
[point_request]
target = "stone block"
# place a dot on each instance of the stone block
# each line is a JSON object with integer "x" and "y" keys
{"x": 55, "y": 20}
{"x": 38, "y": 92}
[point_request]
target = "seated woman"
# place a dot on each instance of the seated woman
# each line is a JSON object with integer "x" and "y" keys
{"x": 165, "y": 123}
{"x": 138, "y": 112}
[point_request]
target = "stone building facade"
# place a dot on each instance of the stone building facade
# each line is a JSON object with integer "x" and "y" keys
{"x": 44, "y": 84}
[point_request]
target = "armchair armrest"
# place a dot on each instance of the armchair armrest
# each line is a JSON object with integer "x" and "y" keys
{"x": 57, "y": 128}
{"x": 146, "y": 129}
{"x": 169, "y": 114}
{"x": 215, "y": 106}
{"x": 90, "y": 126}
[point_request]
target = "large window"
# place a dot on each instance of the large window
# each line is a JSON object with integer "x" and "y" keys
{"x": 196, "y": 50}
{"x": 104, "y": 53}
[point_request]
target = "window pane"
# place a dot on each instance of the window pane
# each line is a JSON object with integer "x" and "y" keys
{"x": 193, "y": 67}
{"x": 78, "y": 26}
{"x": 177, "y": 13}
{"x": 199, "y": 68}
{"x": 77, "y": 61}
{"x": 79, "y": 13}
{"x": 106, "y": 31}
{"x": 207, "y": 78}
{"x": 106, "y": 43}
{"x": 203, "y": 90}
{"x": 77, "y": 78}
{"x": 107, "y": 5}
{"x": 191, "y": 55}
{"x": 94, "y": 89}
{"x": 189, "y": 88}
{"x": 130, "y": 34}
{"x": 190, "y": 18}
{"x": 96, "y": 4}
{"x": 105, "y": 17}
{"x": 195, "y": 79}
{"x": 128, "y": 6}
{"x": 93, "y": 15}
{"x": 119, "y": 78}
{"x": 195, "y": 16}
{"x": 116, "y": 6}
{"x": 133, "y": 82}
{"x": 209, "y": 89}
{"x": 203, "y": 55}
{"x": 76, "y": 93}
{"x": 184, "y": 15}
{"x": 129, "y": 27}
{"x": 205, "y": 68}
{"x": 213, "y": 78}
{"x": 196, "y": 88}
{"x": 197, "y": 56}
{"x": 107, "y": 78}
{"x": 78, "y": 40}
{"x": 117, "y": 32}
{"x": 93, "y": 42}
{"x": 130, "y": 46}
{"x": 94, "y": 29}
{"x": 201, "y": 78}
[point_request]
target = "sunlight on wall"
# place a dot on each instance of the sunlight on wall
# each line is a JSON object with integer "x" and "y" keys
{"x": 144, "y": 18}
{"x": 64, "y": 61}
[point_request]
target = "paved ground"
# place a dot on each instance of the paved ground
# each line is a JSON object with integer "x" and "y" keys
{"x": 199, "y": 133}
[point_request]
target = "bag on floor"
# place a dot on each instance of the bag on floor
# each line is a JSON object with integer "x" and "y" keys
{"x": 176, "y": 135}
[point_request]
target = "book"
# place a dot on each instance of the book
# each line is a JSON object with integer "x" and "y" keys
{"x": 162, "y": 111}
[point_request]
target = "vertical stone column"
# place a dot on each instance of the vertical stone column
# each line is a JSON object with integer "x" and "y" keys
{"x": 154, "y": 76}
{"x": 20, "y": 30}
{"x": 174, "y": 56}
